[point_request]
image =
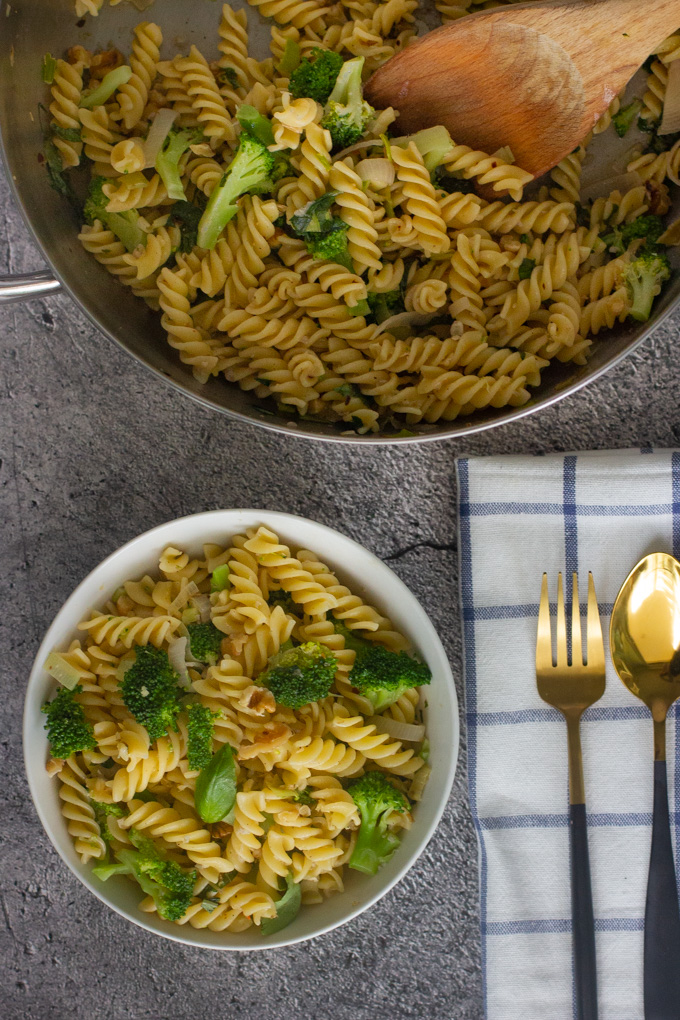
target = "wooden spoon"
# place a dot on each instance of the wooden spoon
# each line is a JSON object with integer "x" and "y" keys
{"x": 535, "y": 77}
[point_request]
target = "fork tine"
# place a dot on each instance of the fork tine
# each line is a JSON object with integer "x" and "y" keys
{"x": 595, "y": 644}
{"x": 544, "y": 659}
{"x": 561, "y": 643}
{"x": 576, "y": 651}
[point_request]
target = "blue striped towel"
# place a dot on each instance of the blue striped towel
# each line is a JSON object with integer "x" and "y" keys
{"x": 521, "y": 516}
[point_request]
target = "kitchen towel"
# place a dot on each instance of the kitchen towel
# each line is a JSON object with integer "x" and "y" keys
{"x": 521, "y": 516}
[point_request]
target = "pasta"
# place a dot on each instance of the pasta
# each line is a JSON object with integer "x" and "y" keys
{"x": 220, "y": 629}
{"x": 420, "y": 294}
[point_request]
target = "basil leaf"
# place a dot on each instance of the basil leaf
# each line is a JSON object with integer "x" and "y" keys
{"x": 526, "y": 268}
{"x": 216, "y": 786}
{"x": 315, "y": 217}
{"x": 287, "y": 909}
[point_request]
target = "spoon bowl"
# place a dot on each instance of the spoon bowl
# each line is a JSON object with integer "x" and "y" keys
{"x": 645, "y": 634}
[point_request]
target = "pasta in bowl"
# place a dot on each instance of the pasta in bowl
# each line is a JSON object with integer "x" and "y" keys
{"x": 294, "y": 247}
{"x": 233, "y": 746}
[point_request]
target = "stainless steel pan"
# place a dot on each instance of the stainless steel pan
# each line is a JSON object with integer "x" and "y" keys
{"x": 31, "y": 28}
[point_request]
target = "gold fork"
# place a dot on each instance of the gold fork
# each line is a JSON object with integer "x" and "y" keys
{"x": 571, "y": 687}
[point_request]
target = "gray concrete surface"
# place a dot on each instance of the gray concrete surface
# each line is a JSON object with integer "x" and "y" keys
{"x": 93, "y": 451}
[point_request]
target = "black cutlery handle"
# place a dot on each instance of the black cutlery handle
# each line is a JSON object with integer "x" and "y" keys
{"x": 662, "y": 915}
{"x": 583, "y": 924}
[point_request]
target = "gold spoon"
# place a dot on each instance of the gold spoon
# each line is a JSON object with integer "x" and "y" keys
{"x": 533, "y": 76}
{"x": 645, "y": 648}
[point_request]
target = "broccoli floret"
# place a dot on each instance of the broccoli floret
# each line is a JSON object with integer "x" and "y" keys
{"x": 347, "y": 113}
{"x": 167, "y": 161}
{"x": 300, "y": 675}
{"x": 68, "y": 731}
{"x": 101, "y": 814}
{"x": 324, "y": 234}
{"x": 434, "y": 144}
{"x": 283, "y": 598}
{"x": 200, "y": 724}
{"x": 150, "y": 691}
{"x": 643, "y": 278}
{"x": 107, "y": 86}
{"x": 331, "y": 246}
{"x": 376, "y": 800}
{"x": 205, "y": 642}
{"x": 316, "y": 77}
{"x": 384, "y": 306}
{"x": 165, "y": 881}
{"x": 623, "y": 120}
{"x": 250, "y": 168}
{"x": 380, "y": 675}
{"x": 124, "y": 225}
{"x": 650, "y": 227}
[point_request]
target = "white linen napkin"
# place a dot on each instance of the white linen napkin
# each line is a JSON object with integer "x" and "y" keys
{"x": 521, "y": 516}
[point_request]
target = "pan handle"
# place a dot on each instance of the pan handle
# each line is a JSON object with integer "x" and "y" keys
{"x": 27, "y": 285}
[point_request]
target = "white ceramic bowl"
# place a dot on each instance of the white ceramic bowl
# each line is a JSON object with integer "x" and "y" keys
{"x": 366, "y": 575}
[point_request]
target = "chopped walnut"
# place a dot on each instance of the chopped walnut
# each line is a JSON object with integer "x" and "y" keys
{"x": 658, "y": 198}
{"x": 257, "y": 699}
{"x": 237, "y": 643}
{"x": 221, "y": 830}
{"x": 104, "y": 62}
{"x": 54, "y": 766}
{"x": 267, "y": 739}
{"x": 79, "y": 55}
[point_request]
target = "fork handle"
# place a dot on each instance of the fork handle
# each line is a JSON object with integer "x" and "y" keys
{"x": 583, "y": 923}
{"x": 662, "y": 917}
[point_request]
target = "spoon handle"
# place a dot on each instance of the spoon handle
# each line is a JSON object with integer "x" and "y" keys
{"x": 662, "y": 914}
{"x": 583, "y": 925}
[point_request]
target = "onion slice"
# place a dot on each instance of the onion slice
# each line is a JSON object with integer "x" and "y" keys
{"x": 158, "y": 132}
{"x": 189, "y": 591}
{"x": 670, "y": 122}
{"x": 407, "y": 319}
{"x": 419, "y": 782}
{"x": 399, "y": 730}
{"x": 177, "y": 657}
{"x": 379, "y": 172}
{"x": 202, "y": 603}
{"x": 605, "y": 185}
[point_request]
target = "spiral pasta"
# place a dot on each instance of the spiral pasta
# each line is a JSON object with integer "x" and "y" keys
{"x": 66, "y": 91}
{"x": 302, "y": 319}
{"x": 294, "y": 818}
{"x": 133, "y": 94}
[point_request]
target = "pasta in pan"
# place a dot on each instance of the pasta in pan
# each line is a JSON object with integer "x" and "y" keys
{"x": 234, "y": 731}
{"x": 348, "y": 242}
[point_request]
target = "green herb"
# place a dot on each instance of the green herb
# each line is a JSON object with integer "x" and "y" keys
{"x": 526, "y": 268}
{"x": 287, "y": 909}
{"x": 49, "y": 66}
{"x": 315, "y": 217}
{"x": 188, "y": 216}
{"x": 229, "y": 75}
{"x": 215, "y": 791}
{"x": 68, "y": 134}
{"x": 525, "y": 239}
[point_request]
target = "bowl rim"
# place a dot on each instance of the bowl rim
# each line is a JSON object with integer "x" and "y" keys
{"x": 375, "y": 567}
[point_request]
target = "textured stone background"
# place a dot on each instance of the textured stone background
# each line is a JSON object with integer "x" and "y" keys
{"x": 93, "y": 451}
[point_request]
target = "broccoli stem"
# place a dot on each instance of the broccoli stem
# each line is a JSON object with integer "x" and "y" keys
{"x": 220, "y": 209}
{"x": 108, "y": 85}
{"x": 643, "y": 294}
{"x": 252, "y": 121}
